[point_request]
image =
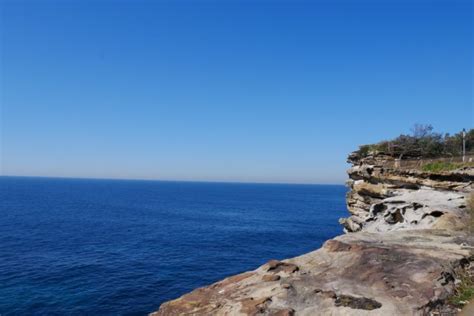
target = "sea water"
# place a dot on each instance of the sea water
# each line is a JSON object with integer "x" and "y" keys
{"x": 122, "y": 247}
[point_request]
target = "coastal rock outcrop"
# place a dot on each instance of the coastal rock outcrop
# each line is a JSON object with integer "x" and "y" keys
{"x": 405, "y": 244}
{"x": 384, "y": 198}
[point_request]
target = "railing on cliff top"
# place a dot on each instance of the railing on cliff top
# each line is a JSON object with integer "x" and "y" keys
{"x": 419, "y": 163}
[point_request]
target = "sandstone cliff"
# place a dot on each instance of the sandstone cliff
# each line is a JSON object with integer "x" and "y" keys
{"x": 406, "y": 242}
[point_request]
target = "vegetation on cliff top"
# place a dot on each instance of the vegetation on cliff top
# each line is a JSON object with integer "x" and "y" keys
{"x": 465, "y": 290}
{"x": 423, "y": 142}
{"x": 440, "y": 166}
{"x": 470, "y": 208}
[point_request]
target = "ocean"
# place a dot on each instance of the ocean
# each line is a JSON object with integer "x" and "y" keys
{"x": 122, "y": 247}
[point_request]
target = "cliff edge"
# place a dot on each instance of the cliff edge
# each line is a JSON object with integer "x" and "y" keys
{"x": 406, "y": 245}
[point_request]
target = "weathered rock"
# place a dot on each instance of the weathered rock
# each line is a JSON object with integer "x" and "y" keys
{"x": 270, "y": 278}
{"x": 276, "y": 266}
{"x": 383, "y": 199}
{"x": 251, "y": 306}
{"x": 357, "y": 302}
{"x": 284, "y": 312}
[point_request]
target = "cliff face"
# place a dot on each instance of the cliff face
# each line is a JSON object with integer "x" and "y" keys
{"x": 384, "y": 198}
{"x": 406, "y": 242}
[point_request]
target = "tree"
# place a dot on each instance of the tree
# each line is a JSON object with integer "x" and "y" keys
{"x": 420, "y": 131}
{"x": 405, "y": 145}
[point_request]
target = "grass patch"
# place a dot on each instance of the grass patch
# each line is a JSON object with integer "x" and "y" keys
{"x": 470, "y": 209}
{"x": 464, "y": 292}
{"x": 445, "y": 166}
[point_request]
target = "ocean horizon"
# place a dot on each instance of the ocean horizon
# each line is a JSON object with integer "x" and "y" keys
{"x": 171, "y": 180}
{"x": 119, "y": 246}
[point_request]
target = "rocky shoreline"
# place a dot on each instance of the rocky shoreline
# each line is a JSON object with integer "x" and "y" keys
{"x": 406, "y": 242}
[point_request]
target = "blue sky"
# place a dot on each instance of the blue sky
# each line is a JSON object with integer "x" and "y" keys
{"x": 259, "y": 91}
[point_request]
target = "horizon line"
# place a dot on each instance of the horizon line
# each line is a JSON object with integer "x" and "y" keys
{"x": 168, "y": 180}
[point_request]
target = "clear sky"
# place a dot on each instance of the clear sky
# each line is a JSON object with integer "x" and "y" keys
{"x": 260, "y": 91}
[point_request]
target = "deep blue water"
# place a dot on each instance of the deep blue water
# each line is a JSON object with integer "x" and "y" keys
{"x": 72, "y": 246}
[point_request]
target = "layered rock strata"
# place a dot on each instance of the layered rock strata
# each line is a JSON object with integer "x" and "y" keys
{"x": 383, "y": 199}
{"x": 406, "y": 243}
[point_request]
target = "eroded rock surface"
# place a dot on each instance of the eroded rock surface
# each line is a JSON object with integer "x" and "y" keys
{"x": 383, "y": 199}
{"x": 405, "y": 244}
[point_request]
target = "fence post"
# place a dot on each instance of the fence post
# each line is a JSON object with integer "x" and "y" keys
{"x": 463, "y": 145}
{"x": 397, "y": 163}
